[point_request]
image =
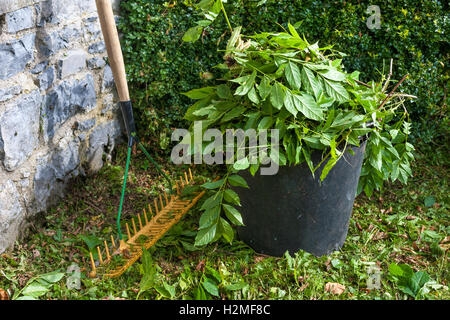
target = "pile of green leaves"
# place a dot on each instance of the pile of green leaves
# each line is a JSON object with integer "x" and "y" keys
{"x": 281, "y": 81}
{"x": 160, "y": 65}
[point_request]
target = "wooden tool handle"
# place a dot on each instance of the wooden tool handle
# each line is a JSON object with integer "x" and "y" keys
{"x": 111, "y": 37}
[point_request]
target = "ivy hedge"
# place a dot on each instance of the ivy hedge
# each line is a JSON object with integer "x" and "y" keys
{"x": 160, "y": 66}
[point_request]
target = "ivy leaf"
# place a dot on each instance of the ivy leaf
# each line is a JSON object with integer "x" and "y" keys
{"x": 277, "y": 96}
{"x": 193, "y": 34}
{"x": 293, "y": 76}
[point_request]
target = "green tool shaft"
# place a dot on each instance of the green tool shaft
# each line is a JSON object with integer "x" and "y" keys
{"x": 141, "y": 146}
{"x": 123, "y": 192}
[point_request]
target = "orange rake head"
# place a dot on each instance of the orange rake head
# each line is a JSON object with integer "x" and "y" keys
{"x": 146, "y": 229}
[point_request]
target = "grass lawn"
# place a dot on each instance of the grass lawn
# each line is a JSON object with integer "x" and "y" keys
{"x": 403, "y": 233}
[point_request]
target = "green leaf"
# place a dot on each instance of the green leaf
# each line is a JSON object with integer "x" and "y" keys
{"x": 264, "y": 88}
{"x": 246, "y": 86}
{"x": 213, "y": 185}
{"x": 205, "y": 236}
{"x": 227, "y": 230}
{"x": 336, "y": 90}
{"x": 211, "y": 287}
{"x": 166, "y": 290}
{"x": 237, "y": 181}
{"x": 241, "y": 164}
{"x": 211, "y": 202}
{"x": 231, "y": 197}
{"x": 293, "y": 31}
{"x": 52, "y": 277}
{"x": 233, "y": 113}
{"x": 332, "y": 74}
{"x": 429, "y": 201}
{"x": 224, "y": 92}
{"x": 289, "y": 104}
{"x": 35, "y": 290}
{"x": 277, "y": 96}
{"x": 265, "y": 123}
{"x": 200, "y": 93}
{"x": 236, "y": 286}
{"x": 330, "y": 164}
{"x": 253, "y": 96}
{"x": 193, "y": 34}
{"x": 209, "y": 217}
{"x": 293, "y": 76}
{"x": 310, "y": 82}
{"x": 306, "y": 104}
{"x": 233, "y": 215}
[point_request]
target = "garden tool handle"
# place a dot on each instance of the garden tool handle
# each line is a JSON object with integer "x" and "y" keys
{"x": 111, "y": 37}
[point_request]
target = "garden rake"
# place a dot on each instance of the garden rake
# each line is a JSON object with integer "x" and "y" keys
{"x": 151, "y": 225}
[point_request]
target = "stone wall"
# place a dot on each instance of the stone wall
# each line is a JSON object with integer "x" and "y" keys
{"x": 58, "y": 116}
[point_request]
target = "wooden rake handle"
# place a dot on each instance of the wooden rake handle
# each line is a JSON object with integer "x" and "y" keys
{"x": 111, "y": 37}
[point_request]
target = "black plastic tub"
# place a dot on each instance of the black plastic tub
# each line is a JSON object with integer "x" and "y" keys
{"x": 292, "y": 210}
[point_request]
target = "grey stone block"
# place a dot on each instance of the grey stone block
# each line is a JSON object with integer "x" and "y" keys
{"x": 102, "y": 140}
{"x": 65, "y": 100}
{"x": 74, "y": 62}
{"x": 53, "y": 171}
{"x": 11, "y": 213}
{"x": 86, "y": 125}
{"x": 98, "y": 47}
{"x": 8, "y": 93}
{"x": 39, "y": 67}
{"x": 19, "y": 130}
{"x": 50, "y": 44}
{"x": 96, "y": 63}
{"x": 15, "y": 55}
{"x": 46, "y": 78}
{"x": 12, "y": 5}
{"x": 19, "y": 20}
{"x": 108, "y": 78}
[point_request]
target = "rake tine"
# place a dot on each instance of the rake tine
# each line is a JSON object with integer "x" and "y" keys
{"x": 134, "y": 226}
{"x": 113, "y": 243}
{"x": 100, "y": 255}
{"x": 92, "y": 263}
{"x": 150, "y": 210}
{"x": 156, "y": 206}
{"x": 128, "y": 231}
{"x": 165, "y": 198}
{"x": 140, "y": 221}
{"x": 161, "y": 201}
{"x": 181, "y": 180}
{"x": 145, "y": 216}
{"x": 190, "y": 174}
{"x": 178, "y": 188}
{"x": 108, "y": 257}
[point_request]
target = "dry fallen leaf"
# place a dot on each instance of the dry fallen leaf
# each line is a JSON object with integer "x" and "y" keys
{"x": 411, "y": 218}
{"x": 334, "y": 288}
{"x": 4, "y": 295}
{"x": 200, "y": 266}
{"x": 380, "y": 235}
